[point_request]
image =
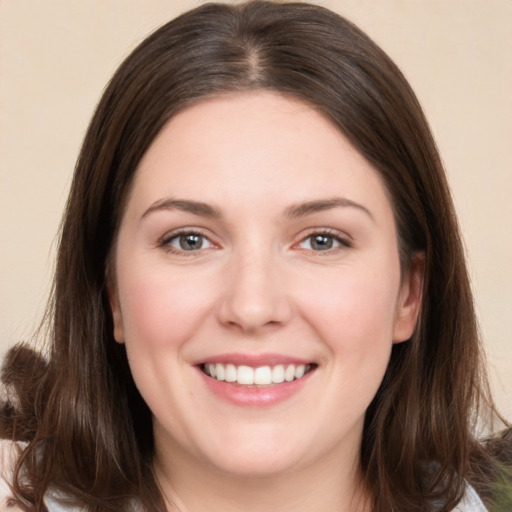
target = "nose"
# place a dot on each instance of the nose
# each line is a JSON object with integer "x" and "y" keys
{"x": 255, "y": 296}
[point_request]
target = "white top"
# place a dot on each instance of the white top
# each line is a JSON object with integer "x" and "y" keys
{"x": 9, "y": 451}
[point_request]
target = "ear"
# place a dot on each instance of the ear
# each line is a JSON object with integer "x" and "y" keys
{"x": 115, "y": 308}
{"x": 409, "y": 299}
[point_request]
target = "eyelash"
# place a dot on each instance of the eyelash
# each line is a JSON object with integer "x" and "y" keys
{"x": 168, "y": 238}
{"x": 344, "y": 242}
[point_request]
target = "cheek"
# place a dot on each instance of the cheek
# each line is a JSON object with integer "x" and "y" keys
{"x": 160, "y": 310}
{"x": 354, "y": 311}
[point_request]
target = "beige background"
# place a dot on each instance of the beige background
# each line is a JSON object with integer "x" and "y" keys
{"x": 57, "y": 55}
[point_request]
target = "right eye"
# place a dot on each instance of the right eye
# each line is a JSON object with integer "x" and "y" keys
{"x": 187, "y": 241}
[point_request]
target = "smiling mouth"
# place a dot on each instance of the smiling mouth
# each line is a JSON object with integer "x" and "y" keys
{"x": 260, "y": 376}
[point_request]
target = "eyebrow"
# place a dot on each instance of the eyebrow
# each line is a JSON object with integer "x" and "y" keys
{"x": 184, "y": 205}
{"x": 292, "y": 212}
{"x": 310, "y": 207}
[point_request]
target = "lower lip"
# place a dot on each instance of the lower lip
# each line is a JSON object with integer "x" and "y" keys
{"x": 254, "y": 396}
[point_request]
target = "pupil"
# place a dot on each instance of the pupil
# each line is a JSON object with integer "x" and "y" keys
{"x": 191, "y": 242}
{"x": 322, "y": 242}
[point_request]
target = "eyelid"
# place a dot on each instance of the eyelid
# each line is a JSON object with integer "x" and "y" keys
{"x": 344, "y": 240}
{"x": 164, "y": 241}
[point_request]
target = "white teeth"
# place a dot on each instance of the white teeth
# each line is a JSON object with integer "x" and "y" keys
{"x": 245, "y": 375}
{"x": 220, "y": 373}
{"x": 289, "y": 373}
{"x": 299, "y": 371}
{"x": 230, "y": 373}
{"x": 278, "y": 374}
{"x": 261, "y": 376}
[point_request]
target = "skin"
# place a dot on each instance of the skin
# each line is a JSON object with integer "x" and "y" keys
{"x": 257, "y": 286}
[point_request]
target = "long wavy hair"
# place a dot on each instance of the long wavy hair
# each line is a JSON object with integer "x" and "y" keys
{"x": 88, "y": 431}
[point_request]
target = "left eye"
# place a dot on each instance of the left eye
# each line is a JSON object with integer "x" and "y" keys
{"x": 320, "y": 242}
{"x": 188, "y": 242}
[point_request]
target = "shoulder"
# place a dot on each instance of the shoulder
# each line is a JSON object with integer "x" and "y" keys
{"x": 9, "y": 453}
{"x": 471, "y": 502}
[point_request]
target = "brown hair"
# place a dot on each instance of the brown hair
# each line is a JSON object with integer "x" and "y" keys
{"x": 89, "y": 432}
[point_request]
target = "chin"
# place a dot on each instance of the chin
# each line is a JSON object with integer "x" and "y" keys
{"x": 257, "y": 458}
{"x": 258, "y": 466}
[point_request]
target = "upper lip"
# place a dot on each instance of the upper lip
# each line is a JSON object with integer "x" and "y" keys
{"x": 253, "y": 360}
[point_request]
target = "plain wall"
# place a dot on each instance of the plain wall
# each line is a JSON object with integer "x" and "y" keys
{"x": 57, "y": 55}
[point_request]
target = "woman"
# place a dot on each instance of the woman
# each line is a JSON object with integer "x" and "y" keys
{"x": 261, "y": 300}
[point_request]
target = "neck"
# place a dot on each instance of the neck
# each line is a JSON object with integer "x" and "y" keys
{"x": 193, "y": 486}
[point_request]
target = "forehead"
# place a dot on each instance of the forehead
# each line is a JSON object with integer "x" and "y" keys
{"x": 260, "y": 146}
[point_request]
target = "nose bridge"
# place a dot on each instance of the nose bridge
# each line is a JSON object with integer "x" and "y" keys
{"x": 254, "y": 295}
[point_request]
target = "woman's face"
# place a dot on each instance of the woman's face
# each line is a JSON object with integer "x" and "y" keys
{"x": 258, "y": 287}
